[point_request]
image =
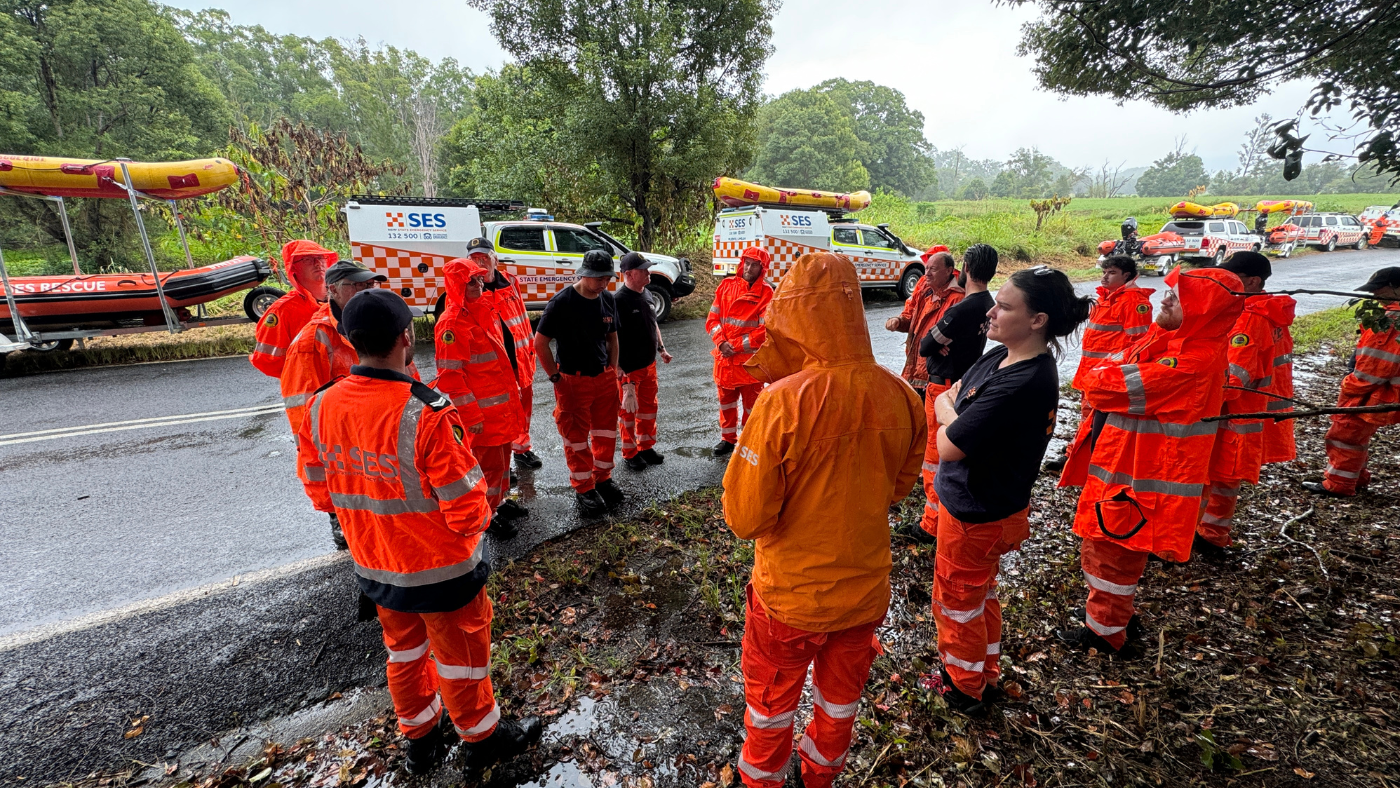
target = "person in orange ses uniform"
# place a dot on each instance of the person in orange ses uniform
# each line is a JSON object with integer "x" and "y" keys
{"x": 936, "y": 292}
{"x": 475, "y": 372}
{"x": 305, "y": 263}
{"x": 993, "y": 427}
{"x": 1239, "y": 445}
{"x": 1149, "y": 451}
{"x": 1374, "y": 380}
{"x": 735, "y": 325}
{"x": 390, "y": 454}
{"x": 1279, "y": 442}
{"x": 832, "y": 443}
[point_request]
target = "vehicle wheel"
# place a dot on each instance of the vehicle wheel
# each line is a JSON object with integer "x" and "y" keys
{"x": 1361, "y": 243}
{"x": 52, "y": 346}
{"x": 909, "y": 281}
{"x": 256, "y": 303}
{"x": 1166, "y": 264}
{"x": 439, "y": 306}
{"x": 1331, "y": 244}
{"x": 660, "y": 301}
{"x": 1219, "y": 256}
{"x": 1255, "y": 248}
{"x": 1285, "y": 251}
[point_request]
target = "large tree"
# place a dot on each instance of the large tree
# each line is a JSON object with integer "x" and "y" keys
{"x": 896, "y": 153}
{"x": 807, "y": 140}
{"x": 1194, "y": 55}
{"x": 1173, "y": 175}
{"x": 661, "y": 93}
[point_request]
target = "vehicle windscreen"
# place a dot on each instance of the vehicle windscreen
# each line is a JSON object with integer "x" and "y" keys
{"x": 1184, "y": 228}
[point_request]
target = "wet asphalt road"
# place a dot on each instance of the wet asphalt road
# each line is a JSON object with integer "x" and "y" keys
{"x": 176, "y": 570}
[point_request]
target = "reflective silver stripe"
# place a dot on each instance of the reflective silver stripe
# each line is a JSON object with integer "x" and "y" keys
{"x": 578, "y": 446}
{"x": 1147, "y": 485}
{"x": 1245, "y": 428}
{"x": 491, "y": 402}
{"x": 931, "y": 506}
{"x": 1210, "y": 519}
{"x": 729, "y": 405}
{"x": 1102, "y": 327}
{"x": 783, "y": 720}
{"x": 482, "y": 358}
{"x": 838, "y": 711}
{"x": 1150, "y": 426}
{"x": 603, "y": 433}
{"x": 1135, "y": 330}
{"x": 408, "y": 468}
{"x": 744, "y": 343}
{"x": 1373, "y": 379}
{"x": 729, "y": 431}
{"x": 1347, "y": 446}
{"x": 315, "y": 473}
{"x": 1137, "y": 394}
{"x": 581, "y": 476}
{"x": 994, "y": 648}
{"x": 1112, "y": 588}
{"x": 714, "y": 309}
{"x": 1096, "y": 354}
{"x": 1228, "y": 492}
{"x": 1378, "y": 353}
{"x": 729, "y": 321}
{"x": 962, "y": 616}
{"x": 1278, "y": 404}
{"x": 461, "y": 672}
{"x": 939, "y": 337}
{"x": 316, "y": 423}
{"x": 1335, "y": 471}
{"x": 269, "y": 350}
{"x": 646, "y": 416}
{"x": 1286, "y": 358}
{"x": 517, "y": 320}
{"x": 716, "y": 330}
{"x": 464, "y": 485}
{"x": 601, "y": 465}
{"x": 425, "y": 716}
{"x": 487, "y": 723}
{"x": 465, "y": 399}
{"x": 930, "y": 467}
{"x": 1263, "y": 382}
{"x": 975, "y": 667}
{"x": 450, "y": 363}
{"x": 408, "y": 654}
{"x": 385, "y": 506}
{"x": 1100, "y": 628}
{"x": 758, "y": 774}
{"x": 296, "y": 400}
{"x": 810, "y": 748}
{"x": 1238, "y": 371}
{"x": 426, "y": 577}
{"x": 325, "y": 341}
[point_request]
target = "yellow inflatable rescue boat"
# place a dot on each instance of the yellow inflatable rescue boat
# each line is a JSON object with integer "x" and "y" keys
{"x": 737, "y": 194}
{"x": 1283, "y": 206}
{"x": 1191, "y": 210}
{"x": 59, "y": 177}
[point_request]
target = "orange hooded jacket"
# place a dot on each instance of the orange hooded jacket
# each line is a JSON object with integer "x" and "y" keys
{"x": 833, "y": 442}
{"x": 1279, "y": 443}
{"x": 282, "y": 321}
{"x": 1149, "y": 461}
{"x": 736, "y": 317}
{"x": 473, "y": 368}
{"x": 318, "y": 355}
{"x": 1119, "y": 319}
{"x": 1375, "y": 377}
{"x": 1239, "y": 446}
{"x": 510, "y": 310}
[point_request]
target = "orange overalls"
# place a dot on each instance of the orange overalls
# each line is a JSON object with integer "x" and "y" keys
{"x": 833, "y": 443}
{"x": 1279, "y": 443}
{"x": 736, "y": 317}
{"x": 282, "y": 321}
{"x": 949, "y": 298}
{"x": 1148, "y": 450}
{"x": 510, "y": 309}
{"x": 475, "y": 373}
{"x": 388, "y": 453}
{"x": 1374, "y": 380}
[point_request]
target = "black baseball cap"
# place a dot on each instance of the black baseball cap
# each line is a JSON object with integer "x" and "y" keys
{"x": 479, "y": 245}
{"x": 377, "y": 312}
{"x": 346, "y": 271}
{"x": 1249, "y": 264}
{"x": 633, "y": 261}
{"x": 1385, "y": 277}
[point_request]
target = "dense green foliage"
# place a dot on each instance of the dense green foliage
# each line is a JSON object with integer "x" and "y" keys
{"x": 1173, "y": 175}
{"x": 808, "y": 141}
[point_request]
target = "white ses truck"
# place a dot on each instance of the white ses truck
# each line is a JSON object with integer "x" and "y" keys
{"x": 410, "y": 239}
{"x": 881, "y": 258}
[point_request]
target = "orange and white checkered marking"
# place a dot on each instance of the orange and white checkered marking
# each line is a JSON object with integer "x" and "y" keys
{"x": 394, "y": 219}
{"x": 421, "y": 275}
{"x": 785, "y": 253}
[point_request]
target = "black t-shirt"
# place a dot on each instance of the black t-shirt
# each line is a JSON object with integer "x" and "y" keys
{"x": 1005, "y": 420}
{"x": 962, "y": 333}
{"x": 636, "y": 330}
{"x": 579, "y": 327}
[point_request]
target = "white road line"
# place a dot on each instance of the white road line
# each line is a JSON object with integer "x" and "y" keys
{"x": 46, "y": 631}
{"x": 136, "y": 424}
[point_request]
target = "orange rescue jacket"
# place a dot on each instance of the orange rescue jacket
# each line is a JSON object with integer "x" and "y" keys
{"x": 318, "y": 355}
{"x": 473, "y": 368}
{"x": 389, "y": 454}
{"x": 1239, "y": 446}
{"x": 833, "y": 442}
{"x": 736, "y": 317}
{"x": 1119, "y": 319}
{"x": 1279, "y": 442}
{"x": 510, "y": 309}
{"x": 1148, "y": 452}
{"x": 1375, "y": 375}
{"x": 282, "y": 321}
{"x": 921, "y": 312}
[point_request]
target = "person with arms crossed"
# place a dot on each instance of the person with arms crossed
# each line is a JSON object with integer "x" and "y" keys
{"x": 639, "y": 340}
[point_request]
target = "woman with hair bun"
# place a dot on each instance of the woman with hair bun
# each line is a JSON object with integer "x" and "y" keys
{"x": 993, "y": 429}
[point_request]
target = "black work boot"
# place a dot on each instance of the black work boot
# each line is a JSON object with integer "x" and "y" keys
{"x": 1317, "y": 488}
{"x": 1056, "y": 463}
{"x": 502, "y": 528}
{"x": 511, "y": 509}
{"x": 635, "y": 463}
{"x": 1214, "y": 553}
{"x": 337, "y": 535}
{"x": 723, "y": 448}
{"x": 425, "y": 752}
{"x": 956, "y": 699}
{"x": 514, "y": 480}
{"x": 590, "y": 504}
{"x": 528, "y": 460}
{"x": 651, "y": 457}
{"x": 612, "y": 496}
{"x": 509, "y": 739}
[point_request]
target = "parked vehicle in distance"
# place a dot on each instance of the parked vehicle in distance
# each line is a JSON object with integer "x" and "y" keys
{"x": 1327, "y": 231}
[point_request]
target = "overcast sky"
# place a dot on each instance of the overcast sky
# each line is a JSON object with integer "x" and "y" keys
{"x": 954, "y": 61}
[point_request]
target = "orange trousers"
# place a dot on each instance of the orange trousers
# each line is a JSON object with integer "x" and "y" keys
{"x": 458, "y": 672}
{"x": 1219, "y": 515}
{"x": 1112, "y": 573}
{"x": 729, "y": 409}
{"x": 585, "y": 411}
{"x": 965, "y": 605}
{"x": 495, "y": 468}
{"x": 639, "y": 429}
{"x": 929, "y": 522}
{"x": 775, "y": 661}
{"x": 1346, "y": 444}
{"x": 527, "y": 404}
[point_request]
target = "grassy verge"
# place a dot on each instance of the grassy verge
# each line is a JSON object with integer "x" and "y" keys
{"x": 1335, "y": 327}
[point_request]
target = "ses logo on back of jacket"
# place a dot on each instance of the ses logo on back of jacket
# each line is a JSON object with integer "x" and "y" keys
{"x": 359, "y": 462}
